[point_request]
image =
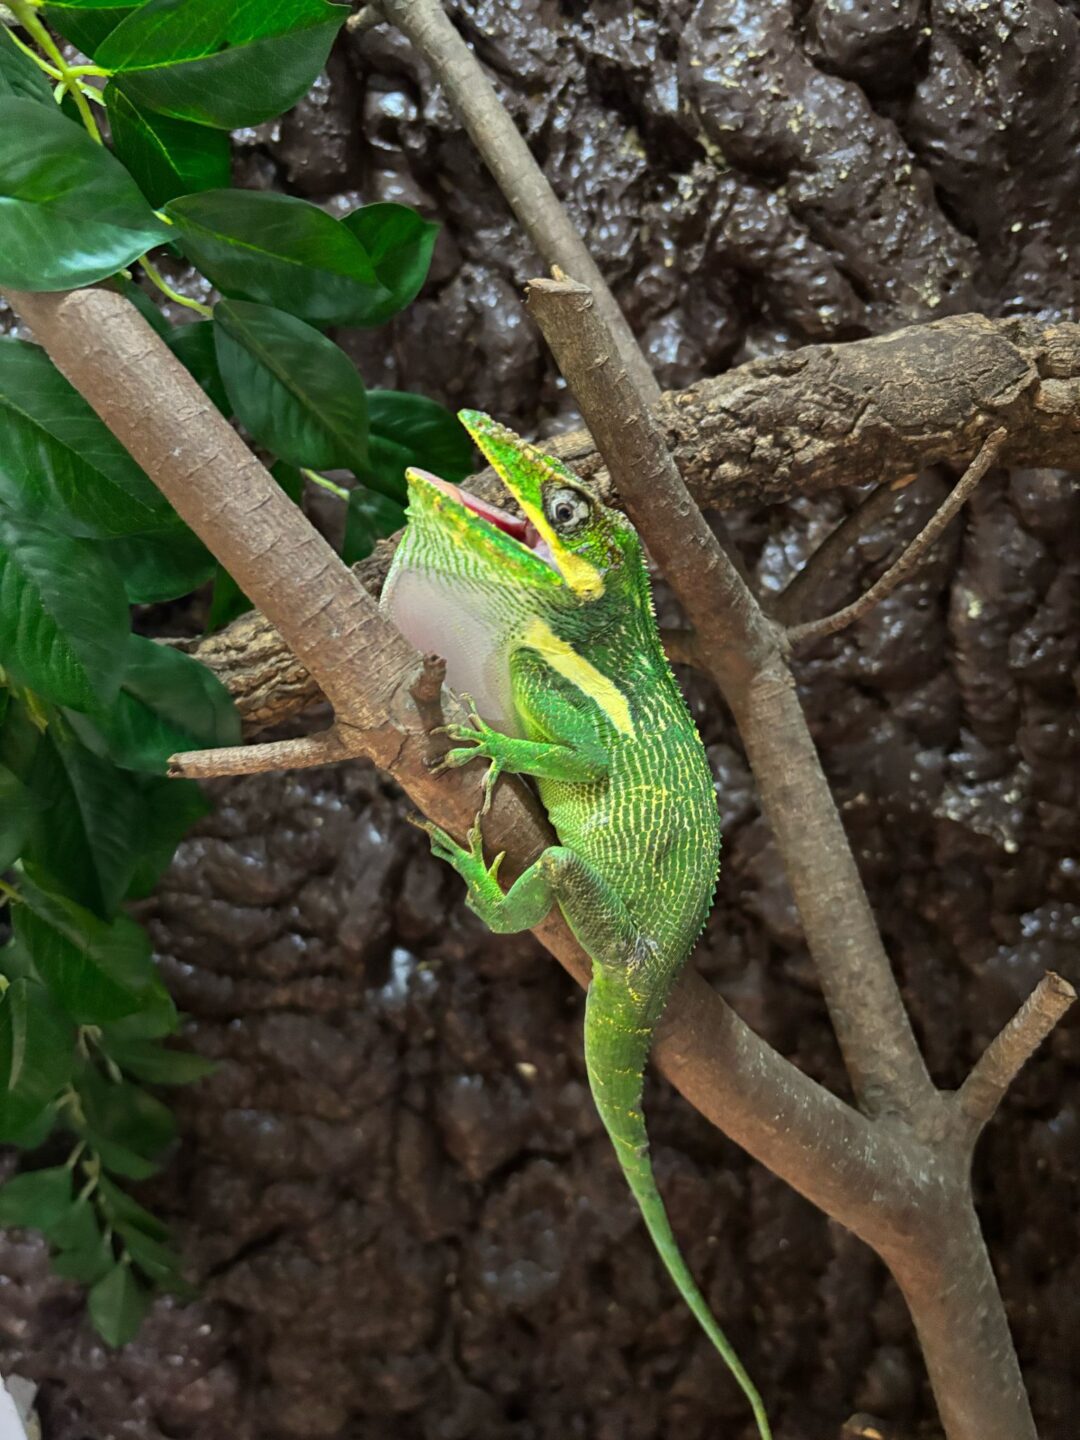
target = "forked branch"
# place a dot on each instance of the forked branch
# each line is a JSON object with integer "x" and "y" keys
{"x": 1010, "y": 1050}
{"x": 913, "y": 556}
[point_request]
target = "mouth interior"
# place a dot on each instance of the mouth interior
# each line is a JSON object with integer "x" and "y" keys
{"x": 515, "y": 526}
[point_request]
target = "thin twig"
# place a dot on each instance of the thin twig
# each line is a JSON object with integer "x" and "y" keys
{"x": 522, "y": 182}
{"x": 913, "y": 556}
{"x": 426, "y": 691}
{"x": 799, "y": 594}
{"x": 1002, "y": 1060}
{"x": 366, "y": 18}
{"x": 301, "y": 753}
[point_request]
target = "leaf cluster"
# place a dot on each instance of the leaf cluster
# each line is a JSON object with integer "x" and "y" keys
{"x": 100, "y": 164}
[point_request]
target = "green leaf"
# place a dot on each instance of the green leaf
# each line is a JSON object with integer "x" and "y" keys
{"x": 170, "y": 808}
{"x": 20, "y": 78}
{"x": 160, "y": 567}
{"x": 90, "y": 837}
{"x": 121, "y": 1209}
{"x": 370, "y": 517}
{"x": 158, "y": 1262}
{"x": 98, "y": 972}
{"x": 193, "y": 345}
{"x": 70, "y": 213}
{"x": 400, "y": 243}
{"x": 166, "y": 157}
{"x": 277, "y": 250}
{"x": 408, "y": 430}
{"x": 86, "y": 22}
{"x": 117, "y": 1304}
{"x": 37, "y": 1199}
{"x": 168, "y": 702}
{"x": 36, "y": 1045}
{"x": 18, "y": 807}
{"x": 87, "y": 1258}
{"x": 59, "y": 464}
{"x": 295, "y": 391}
{"x": 15, "y": 962}
{"x": 154, "y": 1064}
{"x": 75, "y": 1226}
{"x": 63, "y": 614}
{"x": 222, "y": 62}
{"x": 127, "y": 1127}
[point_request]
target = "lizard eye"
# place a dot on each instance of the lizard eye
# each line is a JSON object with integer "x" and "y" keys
{"x": 567, "y": 510}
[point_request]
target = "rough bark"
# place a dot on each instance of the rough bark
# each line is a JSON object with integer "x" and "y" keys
{"x": 822, "y": 417}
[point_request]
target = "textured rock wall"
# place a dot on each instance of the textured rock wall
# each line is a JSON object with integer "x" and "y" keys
{"x": 401, "y": 1210}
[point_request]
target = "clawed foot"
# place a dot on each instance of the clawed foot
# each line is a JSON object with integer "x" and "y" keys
{"x": 469, "y": 863}
{"x": 481, "y": 740}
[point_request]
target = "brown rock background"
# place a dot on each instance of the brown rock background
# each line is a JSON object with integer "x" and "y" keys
{"x": 401, "y": 1210}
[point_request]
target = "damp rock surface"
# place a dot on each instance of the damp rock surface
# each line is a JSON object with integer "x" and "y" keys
{"x": 393, "y": 1194}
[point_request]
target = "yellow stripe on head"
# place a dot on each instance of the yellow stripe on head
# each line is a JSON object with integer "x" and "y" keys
{"x": 525, "y": 470}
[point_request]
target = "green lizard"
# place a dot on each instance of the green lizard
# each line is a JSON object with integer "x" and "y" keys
{"x": 548, "y": 621}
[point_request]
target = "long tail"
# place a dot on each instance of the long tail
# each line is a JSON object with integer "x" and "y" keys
{"x": 617, "y": 1041}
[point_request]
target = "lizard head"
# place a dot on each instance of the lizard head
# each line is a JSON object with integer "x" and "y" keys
{"x": 565, "y": 543}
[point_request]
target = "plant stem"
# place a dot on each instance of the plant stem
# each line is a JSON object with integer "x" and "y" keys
{"x": 10, "y": 894}
{"x": 29, "y": 50}
{"x": 156, "y": 278}
{"x": 24, "y": 13}
{"x": 324, "y": 484}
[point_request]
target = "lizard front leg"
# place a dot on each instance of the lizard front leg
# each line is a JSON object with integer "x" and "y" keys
{"x": 577, "y": 763}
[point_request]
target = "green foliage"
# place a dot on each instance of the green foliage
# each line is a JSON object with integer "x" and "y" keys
{"x": 221, "y": 62}
{"x": 72, "y": 214}
{"x": 277, "y": 250}
{"x": 89, "y": 711}
{"x": 63, "y": 614}
{"x": 20, "y": 78}
{"x": 293, "y": 389}
{"x": 86, "y": 23}
{"x": 59, "y": 464}
{"x": 166, "y": 157}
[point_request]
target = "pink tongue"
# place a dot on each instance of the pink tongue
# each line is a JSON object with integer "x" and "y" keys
{"x": 509, "y": 524}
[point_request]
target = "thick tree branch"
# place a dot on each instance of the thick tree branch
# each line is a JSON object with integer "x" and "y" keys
{"x": 827, "y": 1151}
{"x": 914, "y": 553}
{"x": 1010, "y": 1050}
{"x": 523, "y": 184}
{"x": 745, "y": 653}
{"x": 804, "y": 404}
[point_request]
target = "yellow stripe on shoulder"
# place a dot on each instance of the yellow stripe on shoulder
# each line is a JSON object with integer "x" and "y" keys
{"x": 565, "y": 661}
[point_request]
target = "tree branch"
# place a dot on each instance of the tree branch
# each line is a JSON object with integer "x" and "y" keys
{"x": 1010, "y": 1050}
{"x": 916, "y": 551}
{"x": 744, "y": 651}
{"x": 801, "y": 591}
{"x": 804, "y": 404}
{"x": 822, "y": 1147}
{"x": 524, "y": 185}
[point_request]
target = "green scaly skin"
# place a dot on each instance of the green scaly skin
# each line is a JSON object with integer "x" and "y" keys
{"x": 604, "y": 731}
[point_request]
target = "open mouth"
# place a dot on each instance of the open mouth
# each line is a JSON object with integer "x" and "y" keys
{"x": 515, "y": 526}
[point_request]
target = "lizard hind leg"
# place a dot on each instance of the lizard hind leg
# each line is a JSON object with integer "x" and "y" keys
{"x": 596, "y": 914}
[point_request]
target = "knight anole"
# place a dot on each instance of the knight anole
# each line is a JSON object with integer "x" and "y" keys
{"x": 548, "y": 622}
